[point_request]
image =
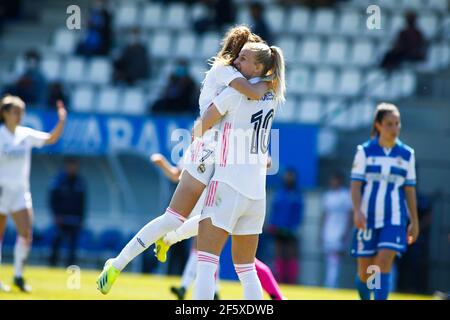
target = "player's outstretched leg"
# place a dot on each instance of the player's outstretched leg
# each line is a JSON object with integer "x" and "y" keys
{"x": 107, "y": 277}
{"x": 153, "y": 230}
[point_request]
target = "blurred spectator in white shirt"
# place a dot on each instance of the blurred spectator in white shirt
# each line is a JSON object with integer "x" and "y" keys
{"x": 335, "y": 225}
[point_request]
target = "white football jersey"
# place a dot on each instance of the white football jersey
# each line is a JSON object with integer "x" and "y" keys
{"x": 216, "y": 80}
{"x": 15, "y": 154}
{"x": 242, "y": 149}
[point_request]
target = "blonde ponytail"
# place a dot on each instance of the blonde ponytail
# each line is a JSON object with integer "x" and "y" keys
{"x": 272, "y": 60}
{"x": 278, "y": 73}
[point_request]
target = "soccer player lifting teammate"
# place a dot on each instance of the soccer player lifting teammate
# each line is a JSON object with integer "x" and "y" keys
{"x": 236, "y": 199}
{"x": 190, "y": 229}
{"x": 198, "y": 162}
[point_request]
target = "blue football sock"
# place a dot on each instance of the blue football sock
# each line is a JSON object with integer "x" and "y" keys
{"x": 383, "y": 292}
{"x": 363, "y": 290}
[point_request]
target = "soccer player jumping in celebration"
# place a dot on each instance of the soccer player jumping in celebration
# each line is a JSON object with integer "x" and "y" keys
{"x": 384, "y": 202}
{"x": 197, "y": 170}
{"x": 236, "y": 199}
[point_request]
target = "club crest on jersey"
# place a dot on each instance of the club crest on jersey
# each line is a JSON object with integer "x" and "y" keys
{"x": 201, "y": 168}
{"x": 399, "y": 161}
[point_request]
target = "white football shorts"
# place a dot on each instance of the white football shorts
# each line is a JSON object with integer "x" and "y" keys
{"x": 199, "y": 158}
{"x": 13, "y": 199}
{"x": 232, "y": 211}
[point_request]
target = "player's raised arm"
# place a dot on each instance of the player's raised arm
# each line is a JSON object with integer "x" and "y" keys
{"x": 59, "y": 128}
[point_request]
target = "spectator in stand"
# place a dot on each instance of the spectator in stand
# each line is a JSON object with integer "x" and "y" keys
{"x": 10, "y": 11}
{"x": 133, "y": 63}
{"x": 410, "y": 45}
{"x": 180, "y": 94}
{"x": 258, "y": 24}
{"x": 218, "y": 14}
{"x": 285, "y": 219}
{"x": 97, "y": 39}
{"x": 30, "y": 86}
{"x": 336, "y": 223}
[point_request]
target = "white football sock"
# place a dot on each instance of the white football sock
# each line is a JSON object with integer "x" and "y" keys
{"x": 204, "y": 282}
{"x": 151, "y": 232}
{"x": 21, "y": 250}
{"x": 187, "y": 230}
{"x": 190, "y": 270}
{"x": 250, "y": 281}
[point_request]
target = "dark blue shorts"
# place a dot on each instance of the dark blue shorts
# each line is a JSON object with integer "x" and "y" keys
{"x": 366, "y": 243}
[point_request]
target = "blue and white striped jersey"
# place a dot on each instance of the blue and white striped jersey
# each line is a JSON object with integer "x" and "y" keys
{"x": 385, "y": 173}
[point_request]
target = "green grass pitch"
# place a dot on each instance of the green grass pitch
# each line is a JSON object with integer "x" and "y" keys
{"x": 58, "y": 283}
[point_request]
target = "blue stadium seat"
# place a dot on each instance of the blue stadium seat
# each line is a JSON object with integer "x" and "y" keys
{"x": 176, "y": 17}
{"x": 275, "y": 17}
{"x": 439, "y": 5}
{"x": 362, "y": 53}
{"x": 324, "y": 81}
{"x": 99, "y": 71}
{"x": 299, "y": 20}
{"x": 51, "y": 68}
{"x": 82, "y": 99}
{"x": 428, "y": 24}
{"x": 349, "y": 23}
{"x": 336, "y": 52}
{"x": 126, "y": 16}
{"x": 324, "y": 21}
{"x": 299, "y": 80}
{"x": 349, "y": 82}
{"x": 133, "y": 102}
{"x": 64, "y": 41}
{"x": 287, "y": 112}
{"x": 108, "y": 100}
{"x": 289, "y": 46}
{"x": 152, "y": 15}
{"x": 310, "y": 110}
{"x": 74, "y": 70}
{"x": 160, "y": 44}
{"x": 209, "y": 45}
{"x": 185, "y": 45}
{"x": 311, "y": 50}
